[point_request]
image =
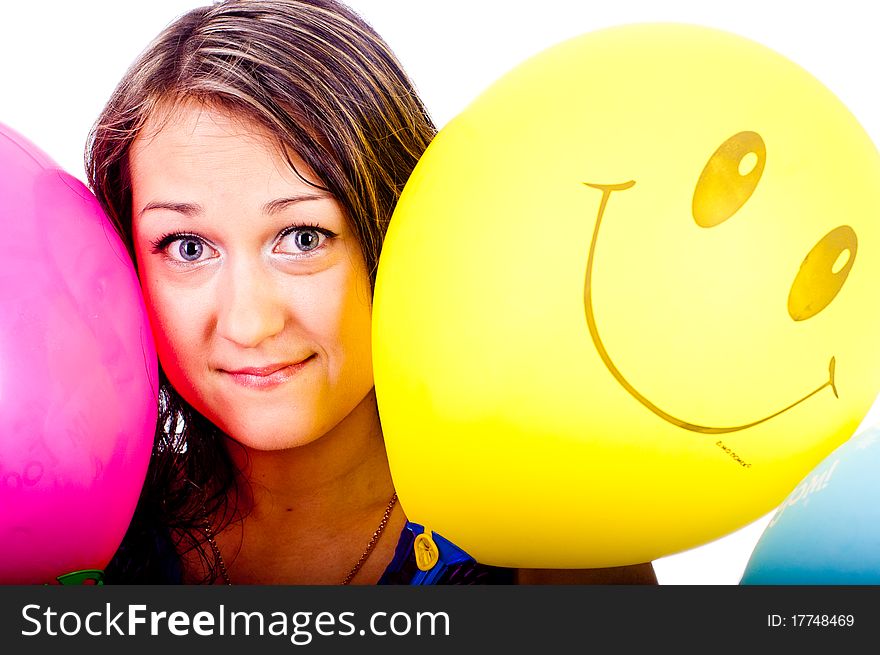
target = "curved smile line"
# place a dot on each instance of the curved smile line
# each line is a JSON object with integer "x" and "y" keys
{"x": 606, "y": 190}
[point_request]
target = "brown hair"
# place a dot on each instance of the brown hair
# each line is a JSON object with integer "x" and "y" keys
{"x": 311, "y": 71}
{"x": 328, "y": 88}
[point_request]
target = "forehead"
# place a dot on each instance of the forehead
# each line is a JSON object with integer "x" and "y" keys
{"x": 179, "y": 139}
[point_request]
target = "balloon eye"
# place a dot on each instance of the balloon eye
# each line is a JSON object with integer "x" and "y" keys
{"x": 822, "y": 273}
{"x": 729, "y": 178}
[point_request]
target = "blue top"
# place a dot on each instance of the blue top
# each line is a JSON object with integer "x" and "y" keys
{"x": 454, "y": 566}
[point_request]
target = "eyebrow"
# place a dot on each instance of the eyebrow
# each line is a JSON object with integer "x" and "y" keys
{"x": 190, "y": 209}
{"x": 280, "y": 204}
{"x": 185, "y": 208}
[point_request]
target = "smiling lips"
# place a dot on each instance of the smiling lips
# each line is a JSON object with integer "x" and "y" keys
{"x": 267, "y": 377}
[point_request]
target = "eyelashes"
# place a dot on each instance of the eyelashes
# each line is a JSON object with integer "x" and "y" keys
{"x": 295, "y": 241}
{"x": 305, "y": 238}
{"x": 160, "y": 244}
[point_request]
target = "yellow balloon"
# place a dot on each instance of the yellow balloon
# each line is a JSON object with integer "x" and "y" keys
{"x": 628, "y": 299}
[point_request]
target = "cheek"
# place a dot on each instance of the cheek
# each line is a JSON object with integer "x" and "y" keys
{"x": 173, "y": 319}
{"x": 341, "y": 312}
{"x": 356, "y": 342}
{"x": 356, "y": 329}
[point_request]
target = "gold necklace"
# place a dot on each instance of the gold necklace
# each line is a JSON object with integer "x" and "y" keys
{"x": 224, "y": 572}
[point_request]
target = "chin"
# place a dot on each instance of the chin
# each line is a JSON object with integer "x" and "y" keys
{"x": 261, "y": 436}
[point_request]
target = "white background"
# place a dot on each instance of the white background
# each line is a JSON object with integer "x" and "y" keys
{"x": 59, "y": 61}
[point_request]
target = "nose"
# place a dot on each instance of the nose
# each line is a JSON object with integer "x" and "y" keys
{"x": 249, "y": 307}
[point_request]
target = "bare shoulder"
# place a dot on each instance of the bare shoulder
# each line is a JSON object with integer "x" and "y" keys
{"x": 636, "y": 574}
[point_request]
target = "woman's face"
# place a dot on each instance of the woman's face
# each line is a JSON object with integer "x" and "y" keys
{"x": 256, "y": 287}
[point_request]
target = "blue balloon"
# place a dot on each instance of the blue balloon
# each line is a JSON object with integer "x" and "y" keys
{"x": 827, "y": 531}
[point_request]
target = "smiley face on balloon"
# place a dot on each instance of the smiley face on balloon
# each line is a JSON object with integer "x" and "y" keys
{"x": 626, "y": 300}
{"x": 726, "y": 183}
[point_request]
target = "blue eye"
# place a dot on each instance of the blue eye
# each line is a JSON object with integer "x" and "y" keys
{"x": 303, "y": 239}
{"x": 183, "y": 248}
{"x": 190, "y": 249}
{"x": 306, "y": 240}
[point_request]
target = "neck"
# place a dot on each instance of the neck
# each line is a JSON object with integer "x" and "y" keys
{"x": 307, "y": 513}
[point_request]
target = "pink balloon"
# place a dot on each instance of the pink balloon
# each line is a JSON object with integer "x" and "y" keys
{"x": 78, "y": 374}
